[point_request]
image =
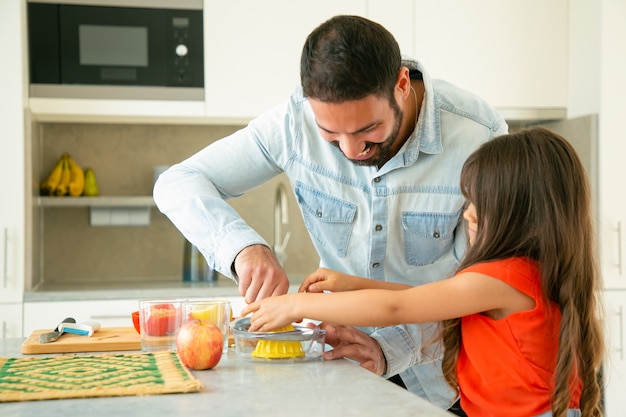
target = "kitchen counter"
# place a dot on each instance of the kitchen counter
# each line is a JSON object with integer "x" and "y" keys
{"x": 239, "y": 388}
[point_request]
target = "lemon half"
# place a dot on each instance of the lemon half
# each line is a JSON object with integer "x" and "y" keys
{"x": 207, "y": 312}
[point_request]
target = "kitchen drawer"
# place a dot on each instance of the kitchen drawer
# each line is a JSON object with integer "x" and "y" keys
{"x": 46, "y": 315}
{"x": 615, "y": 363}
{"x": 10, "y": 320}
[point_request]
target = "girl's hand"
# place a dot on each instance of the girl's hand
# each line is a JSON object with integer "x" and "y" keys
{"x": 272, "y": 313}
{"x": 328, "y": 280}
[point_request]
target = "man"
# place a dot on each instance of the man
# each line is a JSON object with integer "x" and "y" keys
{"x": 373, "y": 149}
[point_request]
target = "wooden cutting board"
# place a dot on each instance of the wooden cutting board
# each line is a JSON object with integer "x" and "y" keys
{"x": 107, "y": 339}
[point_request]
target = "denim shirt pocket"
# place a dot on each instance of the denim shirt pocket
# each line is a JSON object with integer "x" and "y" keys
{"x": 428, "y": 236}
{"x": 328, "y": 219}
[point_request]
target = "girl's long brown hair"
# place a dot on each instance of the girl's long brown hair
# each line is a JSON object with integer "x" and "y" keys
{"x": 532, "y": 199}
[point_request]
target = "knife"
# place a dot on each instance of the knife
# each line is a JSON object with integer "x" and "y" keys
{"x": 54, "y": 335}
{"x": 86, "y": 328}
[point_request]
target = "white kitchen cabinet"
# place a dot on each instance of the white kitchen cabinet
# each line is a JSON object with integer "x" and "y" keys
{"x": 614, "y": 374}
{"x": 10, "y": 320}
{"x": 252, "y": 50}
{"x": 612, "y": 145}
{"x": 613, "y": 194}
{"x": 12, "y": 150}
{"x": 512, "y": 53}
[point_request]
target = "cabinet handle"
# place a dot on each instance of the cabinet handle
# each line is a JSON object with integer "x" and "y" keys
{"x": 619, "y": 248}
{"x": 4, "y": 329}
{"x": 620, "y": 315}
{"x": 5, "y": 268}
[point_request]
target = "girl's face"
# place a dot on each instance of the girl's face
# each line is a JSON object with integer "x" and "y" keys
{"x": 472, "y": 223}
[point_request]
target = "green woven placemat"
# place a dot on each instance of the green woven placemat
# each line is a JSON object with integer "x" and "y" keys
{"x": 27, "y": 379}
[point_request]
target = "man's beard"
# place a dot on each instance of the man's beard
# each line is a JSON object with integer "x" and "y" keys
{"x": 384, "y": 146}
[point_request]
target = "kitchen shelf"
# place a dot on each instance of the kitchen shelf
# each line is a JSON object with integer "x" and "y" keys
{"x": 72, "y": 110}
{"x": 100, "y": 201}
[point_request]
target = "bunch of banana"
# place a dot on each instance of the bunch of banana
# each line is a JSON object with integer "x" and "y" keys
{"x": 66, "y": 178}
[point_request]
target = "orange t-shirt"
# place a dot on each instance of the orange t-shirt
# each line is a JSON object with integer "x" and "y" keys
{"x": 506, "y": 367}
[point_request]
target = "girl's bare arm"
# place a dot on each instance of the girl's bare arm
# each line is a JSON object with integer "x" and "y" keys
{"x": 462, "y": 295}
{"x": 328, "y": 280}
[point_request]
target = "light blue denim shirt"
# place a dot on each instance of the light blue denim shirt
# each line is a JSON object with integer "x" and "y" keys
{"x": 401, "y": 222}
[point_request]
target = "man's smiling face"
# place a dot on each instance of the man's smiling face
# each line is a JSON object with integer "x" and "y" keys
{"x": 365, "y": 131}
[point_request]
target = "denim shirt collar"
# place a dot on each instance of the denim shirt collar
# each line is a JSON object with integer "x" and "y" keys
{"x": 427, "y": 134}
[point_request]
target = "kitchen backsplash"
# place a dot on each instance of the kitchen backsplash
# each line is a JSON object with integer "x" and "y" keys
{"x": 123, "y": 158}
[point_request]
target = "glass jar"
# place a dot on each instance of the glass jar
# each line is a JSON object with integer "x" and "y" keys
{"x": 195, "y": 266}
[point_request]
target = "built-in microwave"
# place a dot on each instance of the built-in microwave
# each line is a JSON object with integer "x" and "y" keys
{"x": 128, "y": 49}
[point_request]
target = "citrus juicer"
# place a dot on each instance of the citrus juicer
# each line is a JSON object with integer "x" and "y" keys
{"x": 278, "y": 348}
{"x": 292, "y": 343}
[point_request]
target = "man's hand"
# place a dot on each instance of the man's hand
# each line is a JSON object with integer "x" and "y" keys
{"x": 348, "y": 342}
{"x": 260, "y": 274}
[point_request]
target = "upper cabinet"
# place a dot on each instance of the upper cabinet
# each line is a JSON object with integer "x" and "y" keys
{"x": 252, "y": 50}
{"x": 514, "y": 54}
{"x": 612, "y": 217}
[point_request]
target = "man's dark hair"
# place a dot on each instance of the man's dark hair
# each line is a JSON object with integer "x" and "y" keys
{"x": 348, "y": 58}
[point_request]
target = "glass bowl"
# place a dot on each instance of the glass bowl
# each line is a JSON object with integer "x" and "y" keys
{"x": 299, "y": 345}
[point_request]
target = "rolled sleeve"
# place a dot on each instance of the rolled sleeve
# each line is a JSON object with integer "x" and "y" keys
{"x": 402, "y": 346}
{"x": 230, "y": 243}
{"x": 410, "y": 354}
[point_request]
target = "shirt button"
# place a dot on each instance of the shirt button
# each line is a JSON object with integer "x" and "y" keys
{"x": 378, "y": 228}
{"x": 375, "y": 265}
{"x": 318, "y": 214}
{"x": 436, "y": 235}
{"x": 377, "y": 179}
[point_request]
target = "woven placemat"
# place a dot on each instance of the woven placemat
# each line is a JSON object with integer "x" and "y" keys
{"x": 27, "y": 379}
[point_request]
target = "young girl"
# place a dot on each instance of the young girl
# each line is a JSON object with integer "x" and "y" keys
{"x": 521, "y": 328}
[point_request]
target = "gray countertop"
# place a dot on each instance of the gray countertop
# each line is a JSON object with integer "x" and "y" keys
{"x": 240, "y": 388}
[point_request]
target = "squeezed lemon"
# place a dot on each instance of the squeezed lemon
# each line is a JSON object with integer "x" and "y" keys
{"x": 207, "y": 312}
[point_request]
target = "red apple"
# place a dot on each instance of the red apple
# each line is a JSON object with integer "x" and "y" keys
{"x": 199, "y": 344}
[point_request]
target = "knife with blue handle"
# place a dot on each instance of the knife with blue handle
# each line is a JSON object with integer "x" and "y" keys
{"x": 86, "y": 328}
{"x": 54, "y": 335}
